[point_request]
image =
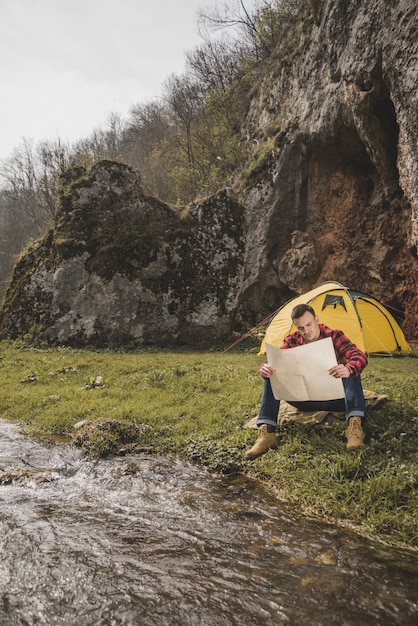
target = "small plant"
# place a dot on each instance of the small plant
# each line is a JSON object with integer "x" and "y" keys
{"x": 95, "y": 382}
{"x": 30, "y": 378}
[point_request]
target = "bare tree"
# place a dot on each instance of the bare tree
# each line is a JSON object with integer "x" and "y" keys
{"x": 216, "y": 63}
{"x": 235, "y": 17}
{"x": 102, "y": 143}
{"x": 32, "y": 179}
{"x": 185, "y": 101}
{"x": 114, "y": 135}
{"x": 148, "y": 125}
{"x": 257, "y": 31}
{"x": 147, "y": 145}
{"x": 53, "y": 160}
{"x": 19, "y": 175}
{"x": 16, "y": 228}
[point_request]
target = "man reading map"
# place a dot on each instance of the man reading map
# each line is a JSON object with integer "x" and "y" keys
{"x": 350, "y": 362}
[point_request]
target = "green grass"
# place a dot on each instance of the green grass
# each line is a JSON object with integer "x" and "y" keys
{"x": 196, "y": 404}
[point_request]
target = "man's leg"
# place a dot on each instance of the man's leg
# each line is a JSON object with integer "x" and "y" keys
{"x": 356, "y": 412}
{"x": 354, "y": 406}
{"x": 354, "y": 398}
{"x": 269, "y": 407}
{"x": 266, "y": 424}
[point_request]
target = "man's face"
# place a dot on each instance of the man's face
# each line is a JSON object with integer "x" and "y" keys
{"x": 308, "y": 326}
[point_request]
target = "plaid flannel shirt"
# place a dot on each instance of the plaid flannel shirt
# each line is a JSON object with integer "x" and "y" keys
{"x": 346, "y": 351}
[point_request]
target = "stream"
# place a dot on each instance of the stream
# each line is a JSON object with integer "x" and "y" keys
{"x": 144, "y": 540}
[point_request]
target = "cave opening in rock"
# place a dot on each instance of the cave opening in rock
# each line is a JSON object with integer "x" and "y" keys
{"x": 383, "y": 111}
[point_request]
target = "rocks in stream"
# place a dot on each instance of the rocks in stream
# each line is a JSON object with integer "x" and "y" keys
{"x": 105, "y": 437}
{"x": 24, "y": 475}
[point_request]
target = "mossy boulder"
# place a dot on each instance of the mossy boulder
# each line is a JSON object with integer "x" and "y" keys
{"x": 107, "y": 437}
{"x": 122, "y": 268}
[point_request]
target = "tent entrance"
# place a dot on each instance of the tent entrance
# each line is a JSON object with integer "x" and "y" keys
{"x": 333, "y": 300}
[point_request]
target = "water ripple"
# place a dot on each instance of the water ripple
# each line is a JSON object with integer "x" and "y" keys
{"x": 145, "y": 540}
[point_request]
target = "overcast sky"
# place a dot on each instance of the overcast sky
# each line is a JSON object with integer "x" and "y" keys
{"x": 65, "y": 65}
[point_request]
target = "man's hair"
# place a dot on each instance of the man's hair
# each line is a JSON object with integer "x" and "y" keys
{"x": 301, "y": 309}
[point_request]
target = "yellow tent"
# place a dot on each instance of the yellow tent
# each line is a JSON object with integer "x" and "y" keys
{"x": 361, "y": 317}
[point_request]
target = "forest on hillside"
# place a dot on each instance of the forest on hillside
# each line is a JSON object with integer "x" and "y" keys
{"x": 186, "y": 144}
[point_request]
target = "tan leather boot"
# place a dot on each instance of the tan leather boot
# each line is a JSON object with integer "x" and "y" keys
{"x": 355, "y": 434}
{"x": 265, "y": 441}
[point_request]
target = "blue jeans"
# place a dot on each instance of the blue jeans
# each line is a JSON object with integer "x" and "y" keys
{"x": 353, "y": 403}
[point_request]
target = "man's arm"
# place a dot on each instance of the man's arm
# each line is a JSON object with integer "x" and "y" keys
{"x": 265, "y": 370}
{"x": 290, "y": 341}
{"x": 348, "y": 354}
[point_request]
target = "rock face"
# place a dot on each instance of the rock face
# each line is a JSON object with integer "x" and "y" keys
{"x": 121, "y": 268}
{"x": 337, "y": 116}
{"x": 334, "y": 196}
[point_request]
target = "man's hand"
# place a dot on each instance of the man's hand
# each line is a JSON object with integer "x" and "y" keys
{"x": 340, "y": 371}
{"x": 266, "y": 370}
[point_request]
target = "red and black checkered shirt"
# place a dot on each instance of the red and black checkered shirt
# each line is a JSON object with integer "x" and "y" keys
{"x": 346, "y": 351}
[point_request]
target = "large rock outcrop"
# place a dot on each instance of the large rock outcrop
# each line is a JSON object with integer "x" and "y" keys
{"x": 330, "y": 192}
{"x": 336, "y": 118}
{"x": 121, "y": 268}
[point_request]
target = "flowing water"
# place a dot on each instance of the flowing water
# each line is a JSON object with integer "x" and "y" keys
{"x": 141, "y": 540}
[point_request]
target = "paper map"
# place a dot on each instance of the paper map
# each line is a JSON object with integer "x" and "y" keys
{"x": 302, "y": 373}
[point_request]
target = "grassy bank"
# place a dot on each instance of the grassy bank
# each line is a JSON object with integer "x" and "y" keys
{"x": 196, "y": 404}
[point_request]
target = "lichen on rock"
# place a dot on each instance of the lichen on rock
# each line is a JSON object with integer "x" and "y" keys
{"x": 121, "y": 268}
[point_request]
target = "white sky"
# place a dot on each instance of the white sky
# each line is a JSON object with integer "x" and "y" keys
{"x": 65, "y": 65}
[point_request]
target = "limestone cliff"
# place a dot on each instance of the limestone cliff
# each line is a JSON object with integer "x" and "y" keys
{"x": 330, "y": 191}
{"x": 121, "y": 268}
{"x": 336, "y": 121}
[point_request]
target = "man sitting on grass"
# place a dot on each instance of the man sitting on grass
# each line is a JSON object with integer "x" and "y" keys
{"x": 350, "y": 363}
